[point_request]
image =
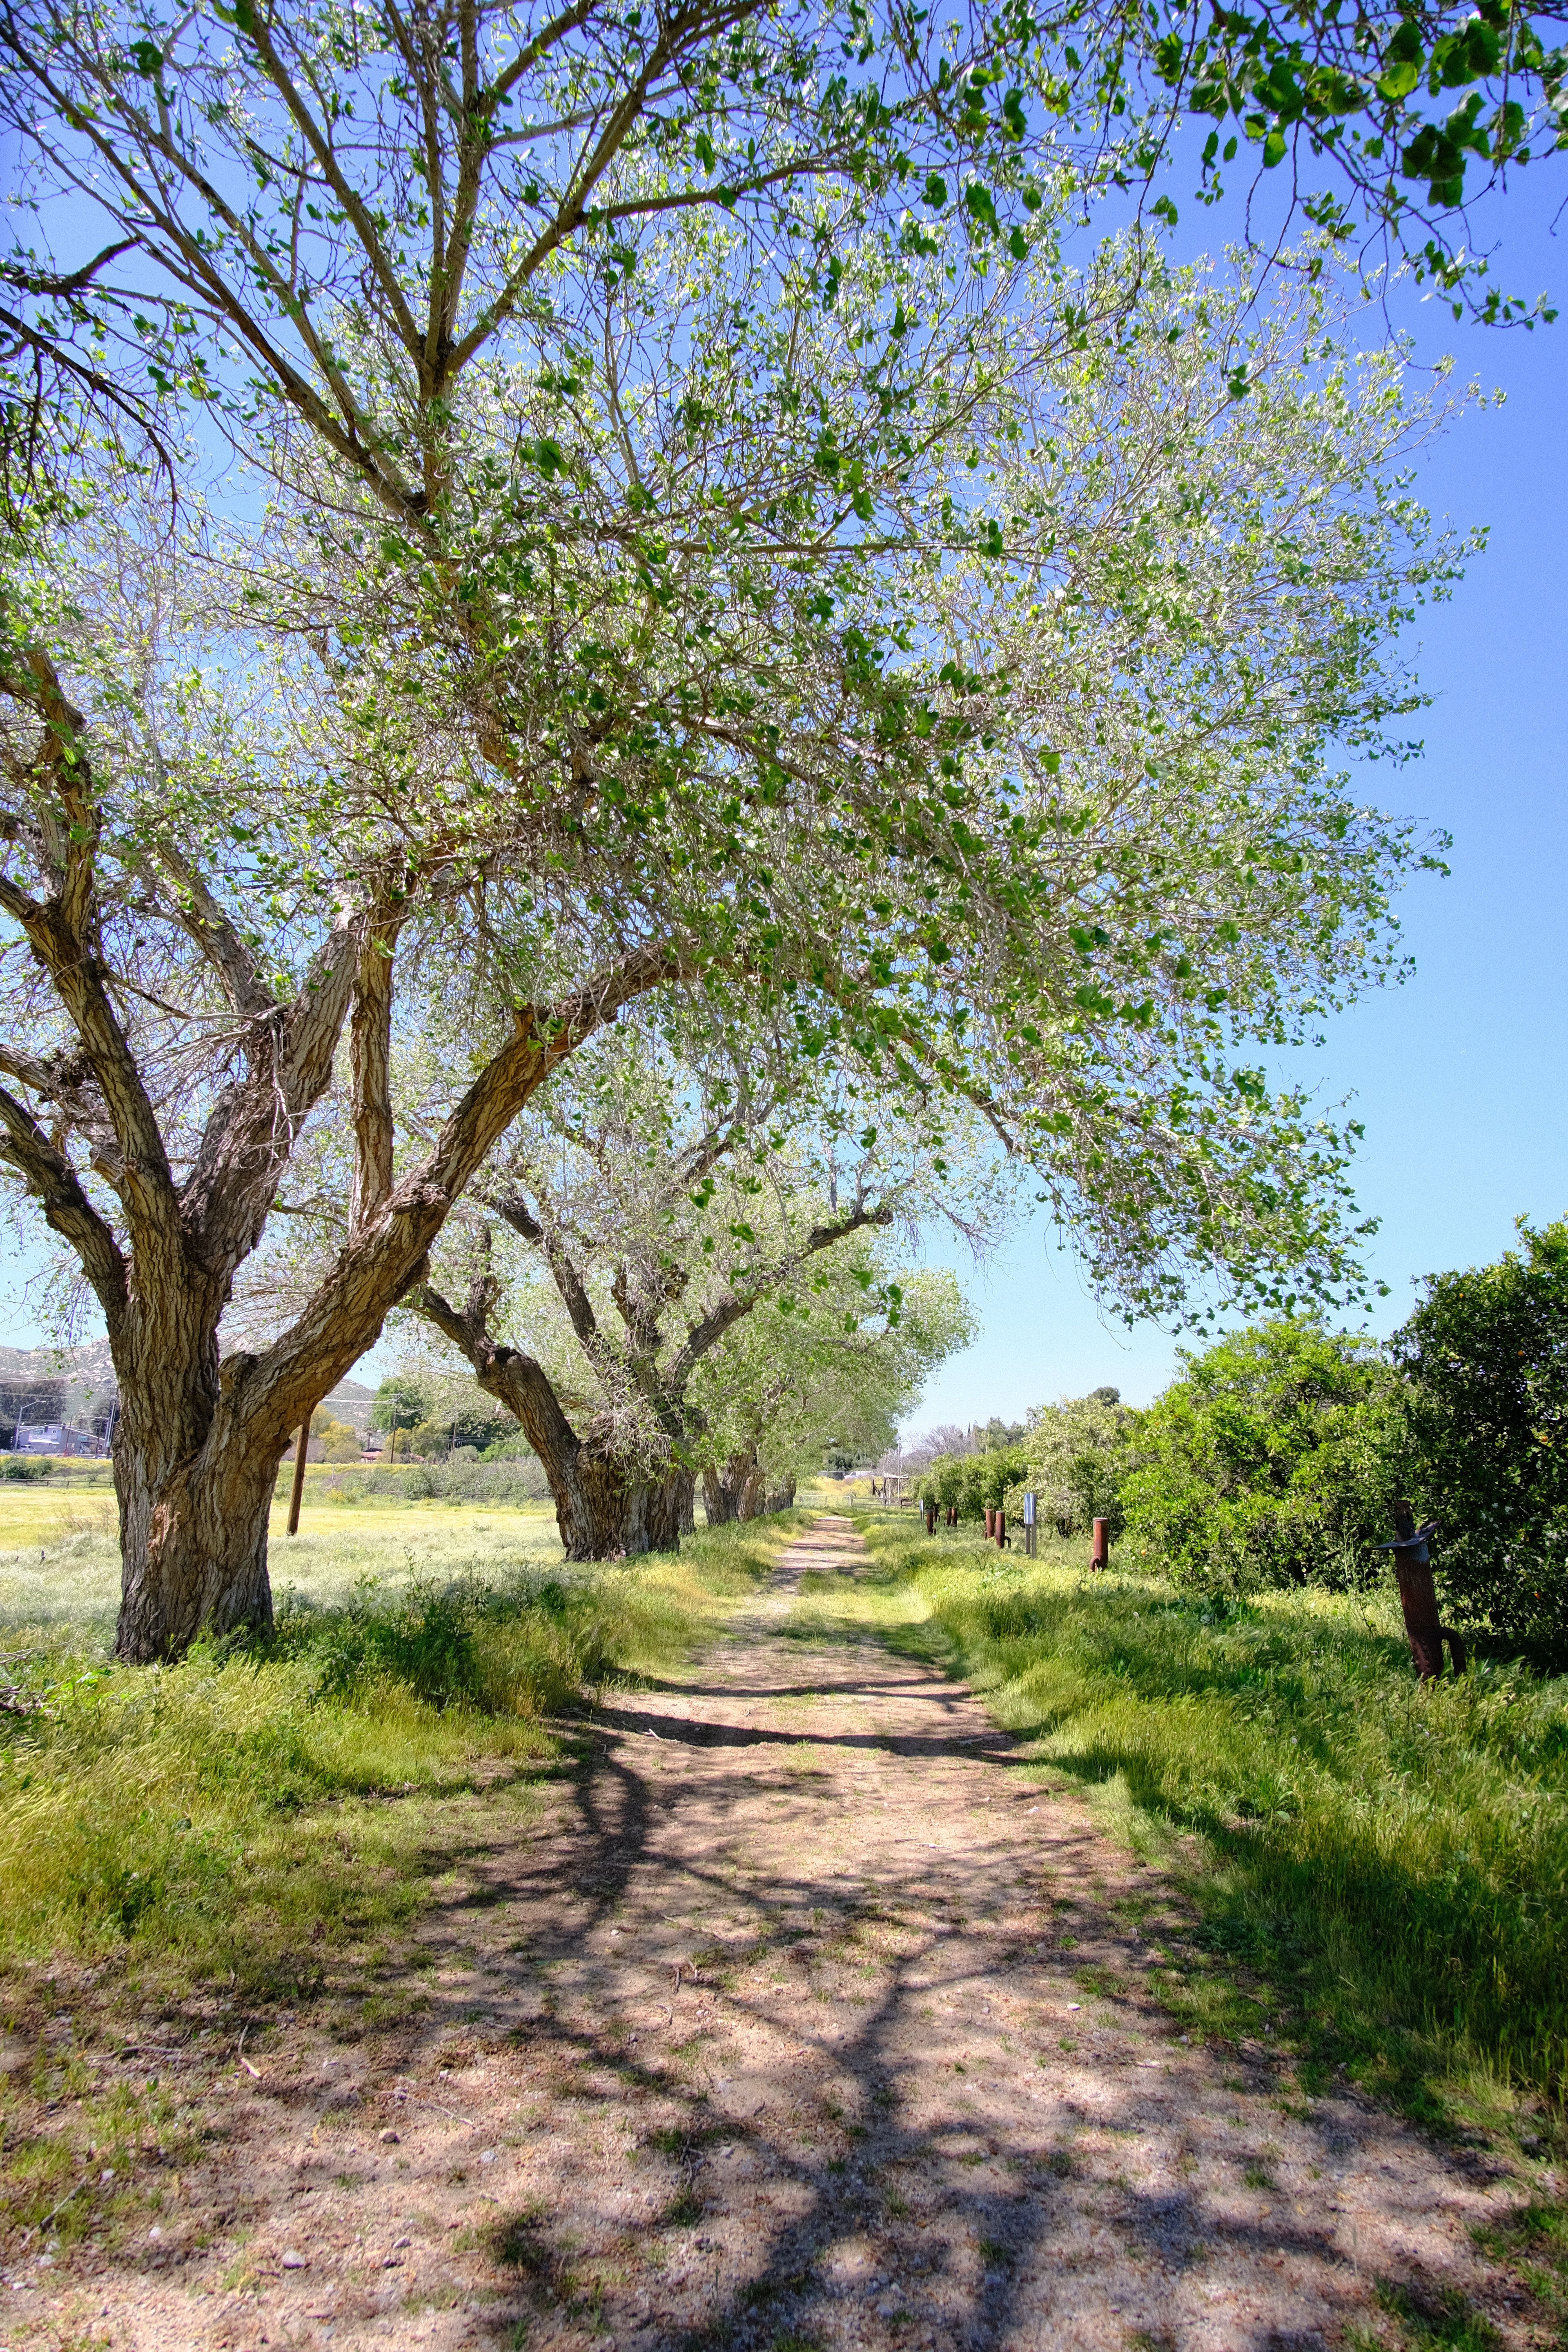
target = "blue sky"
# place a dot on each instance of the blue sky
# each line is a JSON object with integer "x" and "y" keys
{"x": 1460, "y": 1075}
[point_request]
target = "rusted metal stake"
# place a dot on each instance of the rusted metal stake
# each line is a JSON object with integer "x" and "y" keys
{"x": 1101, "y": 1556}
{"x": 1412, "y": 1556}
{"x": 297, "y": 1496}
{"x": 1001, "y": 1530}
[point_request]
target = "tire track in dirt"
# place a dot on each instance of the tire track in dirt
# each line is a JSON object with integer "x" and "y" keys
{"x": 808, "y": 2020}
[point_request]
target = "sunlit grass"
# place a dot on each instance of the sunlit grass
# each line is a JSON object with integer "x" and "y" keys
{"x": 1382, "y": 1867}
{"x": 251, "y": 1802}
{"x": 60, "y": 1553}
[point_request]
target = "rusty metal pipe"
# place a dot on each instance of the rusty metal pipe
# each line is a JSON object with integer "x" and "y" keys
{"x": 1101, "y": 1556}
{"x": 1411, "y": 1556}
{"x": 298, "y": 1496}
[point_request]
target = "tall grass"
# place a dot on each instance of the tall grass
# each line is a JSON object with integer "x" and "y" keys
{"x": 259, "y": 1811}
{"x": 1389, "y": 1860}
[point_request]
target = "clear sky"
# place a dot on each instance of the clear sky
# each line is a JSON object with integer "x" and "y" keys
{"x": 1458, "y": 1075}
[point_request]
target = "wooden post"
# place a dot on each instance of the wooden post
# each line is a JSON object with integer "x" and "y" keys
{"x": 294, "y": 1499}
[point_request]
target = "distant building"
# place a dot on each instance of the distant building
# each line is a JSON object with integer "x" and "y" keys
{"x": 57, "y": 1437}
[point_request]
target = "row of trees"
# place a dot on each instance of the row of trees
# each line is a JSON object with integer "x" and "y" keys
{"x": 1276, "y": 1458}
{"x": 726, "y": 663}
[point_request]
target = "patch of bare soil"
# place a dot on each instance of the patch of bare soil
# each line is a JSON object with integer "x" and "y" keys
{"x": 807, "y": 2021}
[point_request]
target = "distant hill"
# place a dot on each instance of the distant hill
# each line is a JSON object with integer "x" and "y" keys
{"x": 77, "y": 1384}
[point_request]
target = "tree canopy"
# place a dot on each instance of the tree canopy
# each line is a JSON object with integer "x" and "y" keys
{"x": 770, "y": 573}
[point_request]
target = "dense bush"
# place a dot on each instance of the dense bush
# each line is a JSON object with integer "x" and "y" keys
{"x": 1485, "y": 1362}
{"x": 25, "y": 1466}
{"x": 1077, "y": 1456}
{"x": 971, "y": 1484}
{"x": 1274, "y": 1460}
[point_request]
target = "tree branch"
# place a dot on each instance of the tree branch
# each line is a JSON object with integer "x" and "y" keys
{"x": 370, "y": 1051}
{"x": 710, "y": 1329}
{"x": 54, "y": 1183}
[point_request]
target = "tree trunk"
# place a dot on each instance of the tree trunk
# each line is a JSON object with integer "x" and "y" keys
{"x": 753, "y": 1496}
{"x": 724, "y": 1488}
{"x": 193, "y": 1477}
{"x": 608, "y": 1505}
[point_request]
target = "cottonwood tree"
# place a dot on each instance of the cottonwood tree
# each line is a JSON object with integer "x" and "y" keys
{"x": 611, "y": 1256}
{"x": 174, "y": 1007}
{"x": 828, "y": 1373}
{"x": 1067, "y": 898}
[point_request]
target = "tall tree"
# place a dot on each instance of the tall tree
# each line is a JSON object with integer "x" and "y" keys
{"x": 679, "y": 1177}
{"x": 752, "y": 680}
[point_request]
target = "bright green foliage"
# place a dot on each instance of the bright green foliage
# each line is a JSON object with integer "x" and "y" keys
{"x": 1404, "y": 111}
{"x": 973, "y": 1484}
{"x": 261, "y": 1777}
{"x": 1274, "y": 1460}
{"x": 1485, "y": 1360}
{"x": 1388, "y": 1864}
{"x": 400, "y": 1402}
{"x": 1077, "y": 1454}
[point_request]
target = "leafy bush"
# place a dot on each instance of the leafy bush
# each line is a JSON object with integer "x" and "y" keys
{"x": 1273, "y": 1460}
{"x": 1484, "y": 1357}
{"x": 1077, "y": 1455}
{"x": 26, "y": 1466}
{"x": 971, "y": 1484}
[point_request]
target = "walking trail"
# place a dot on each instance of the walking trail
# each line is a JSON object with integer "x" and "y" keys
{"x": 785, "y": 2032}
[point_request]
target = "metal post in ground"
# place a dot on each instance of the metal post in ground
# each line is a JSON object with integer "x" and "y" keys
{"x": 298, "y": 1496}
{"x": 1030, "y": 1508}
{"x": 1418, "y": 1596}
{"x": 1101, "y": 1556}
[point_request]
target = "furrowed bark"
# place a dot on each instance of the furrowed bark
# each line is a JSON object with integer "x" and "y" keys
{"x": 196, "y": 1445}
{"x": 607, "y": 1504}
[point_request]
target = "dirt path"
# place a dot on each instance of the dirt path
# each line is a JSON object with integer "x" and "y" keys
{"x": 783, "y": 2035}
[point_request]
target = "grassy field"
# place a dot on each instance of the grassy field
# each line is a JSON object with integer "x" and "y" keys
{"x": 60, "y": 1554}
{"x": 1381, "y": 1869}
{"x": 263, "y": 1813}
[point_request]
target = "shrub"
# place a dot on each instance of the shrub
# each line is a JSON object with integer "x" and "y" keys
{"x": 26, "y": 1466}
{"x": 1486, "y": 1358}
{"x": 1273, "y": 1460}
{"x": 1077, "y": 1455}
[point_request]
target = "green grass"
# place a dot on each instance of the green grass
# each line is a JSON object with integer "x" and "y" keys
{"x": 1381, "y": 1869}
{"x": 262, "y": 1824}
{"x": 221, "y": 1809}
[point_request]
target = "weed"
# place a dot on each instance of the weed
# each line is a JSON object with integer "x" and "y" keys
{"x": 1440, "y": 2318}
{"x": 513, "y": 2242}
